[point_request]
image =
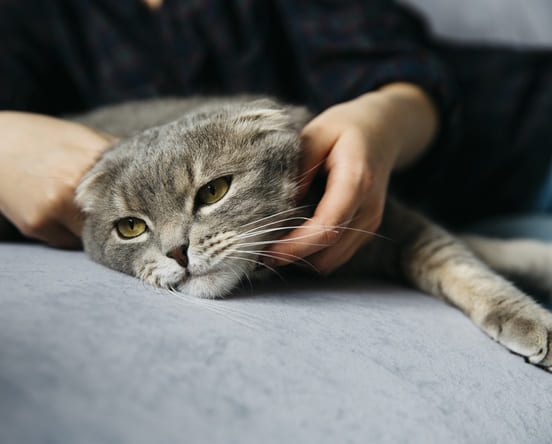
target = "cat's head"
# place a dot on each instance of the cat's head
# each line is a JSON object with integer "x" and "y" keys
{"x": 192, "y": 204}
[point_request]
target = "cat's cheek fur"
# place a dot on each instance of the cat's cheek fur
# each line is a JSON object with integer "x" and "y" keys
{"x": 210, "y": 286}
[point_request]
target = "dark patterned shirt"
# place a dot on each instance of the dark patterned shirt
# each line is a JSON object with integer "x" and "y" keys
{"x": 61, "y": 56}
{"x": 88, "y": 53}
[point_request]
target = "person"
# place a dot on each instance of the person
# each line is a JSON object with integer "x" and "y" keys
{"x": 458, "y": 130}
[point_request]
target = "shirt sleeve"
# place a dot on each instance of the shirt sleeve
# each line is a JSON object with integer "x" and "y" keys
{"x": 344, "y": 48}
{"x": 347, "y": 47}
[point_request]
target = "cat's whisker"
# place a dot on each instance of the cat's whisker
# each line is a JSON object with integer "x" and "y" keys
{"x": 248, "y": 280}
{"x": 218, "y": 307}
{"x": 279, "y": 221}
{"x": 304, "y": 174}
{"x": 280, "y": 213}
{"x": 289, "y": 227}
{"x": 288, "y": 257}
{"x": 242, "y": 275}
{"x": 243, "y": 316}
{"x": 232, "y": 315}
{"x": 253, "y": 232}
{"x": 241, "y": 313}
{"x": 209, "y": 304}
{"x": 325, "y": 228}
{"x": 284, "y": 241}
{"x": 256, "y": 262}
{"x": 264, "y": 253}
{"x": 291, "y": 239}
{"x": 239, "y": 318}
{"x": 373, "y": 233}
{"x": 260, "y": 263}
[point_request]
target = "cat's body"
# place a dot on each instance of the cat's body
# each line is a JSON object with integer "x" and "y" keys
{"x": 192, "y": 204}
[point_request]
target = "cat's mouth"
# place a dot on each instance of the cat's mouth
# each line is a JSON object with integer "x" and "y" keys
{"x": 209, "y": 280}
{"x": 208, "y": 284}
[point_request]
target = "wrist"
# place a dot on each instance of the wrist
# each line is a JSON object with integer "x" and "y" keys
{"x": 416, "y": 119}
{"x": 406, "y": 121}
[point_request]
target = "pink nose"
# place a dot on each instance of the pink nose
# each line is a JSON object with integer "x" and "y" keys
{"x": 180, "y": 255}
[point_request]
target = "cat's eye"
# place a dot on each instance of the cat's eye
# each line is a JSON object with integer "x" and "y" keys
{"x": 213, "y": 191}
{"x": 130, "y": 227}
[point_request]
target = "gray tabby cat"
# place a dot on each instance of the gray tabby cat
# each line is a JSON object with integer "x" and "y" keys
{"x": 191, "y": 204}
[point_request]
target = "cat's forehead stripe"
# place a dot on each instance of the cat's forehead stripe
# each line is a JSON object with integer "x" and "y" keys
{"x": 182, "y": 180}
{"x": 119, "y": 202}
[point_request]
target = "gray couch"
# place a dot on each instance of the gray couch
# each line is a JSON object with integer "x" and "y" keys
{"x": 88, "y": 355}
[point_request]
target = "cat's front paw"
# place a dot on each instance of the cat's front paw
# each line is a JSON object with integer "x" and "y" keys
{"x": 526, "y": 331}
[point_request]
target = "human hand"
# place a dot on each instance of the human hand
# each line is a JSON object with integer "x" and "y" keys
{"x": 43, "y": 160}
{"x": 357, "y": 144}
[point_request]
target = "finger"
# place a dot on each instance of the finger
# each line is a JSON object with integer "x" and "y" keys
{"x": 363, "y": 230}
{"x": 314, "y": 235}
{"x": 330, "y": 259}
{"x": 66, "y": 239}
{"x": 304, "y": 241}
{"x": 335, "y": 252}
{"x": 316, "y": 143}
{"x": 344, "y": 192}
{"x": 72, "y": 218}
{"x": 347, "y": 184}
{"x": 57, "y": 236}
{"x": 75, "y": 225}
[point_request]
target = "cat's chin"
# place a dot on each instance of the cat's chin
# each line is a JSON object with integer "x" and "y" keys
{"x": 210, "y": 285}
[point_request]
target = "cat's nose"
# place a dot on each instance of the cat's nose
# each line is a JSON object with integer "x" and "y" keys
{"x": 180, "y": 255}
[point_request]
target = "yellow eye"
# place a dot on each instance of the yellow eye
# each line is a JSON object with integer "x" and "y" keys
{"x": 213, "y": 191}
{"x": 130, "y": 227}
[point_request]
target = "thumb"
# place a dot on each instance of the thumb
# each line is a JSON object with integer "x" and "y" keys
{"x": 316, "y": 143}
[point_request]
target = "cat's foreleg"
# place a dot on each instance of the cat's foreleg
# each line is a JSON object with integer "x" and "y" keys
{"x": 436, "y": 262}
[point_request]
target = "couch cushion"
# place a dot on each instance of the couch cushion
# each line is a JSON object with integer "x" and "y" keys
{"x": 88, "y": 355}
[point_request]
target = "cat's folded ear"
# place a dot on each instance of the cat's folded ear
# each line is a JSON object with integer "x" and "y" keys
{"x": 268, "y": 115}
{"x": 88, "y": 190}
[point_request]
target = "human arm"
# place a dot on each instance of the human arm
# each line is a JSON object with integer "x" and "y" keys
{"x": 43, "y": 159}
{"x": 372, "y": 58}
{"x": 358, "y": 144}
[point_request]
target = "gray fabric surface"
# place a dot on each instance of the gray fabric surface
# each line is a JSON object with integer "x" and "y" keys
{"x": 89, "y": 355}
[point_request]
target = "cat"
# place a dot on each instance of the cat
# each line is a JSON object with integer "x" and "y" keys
{"x": 196, "y": 189}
